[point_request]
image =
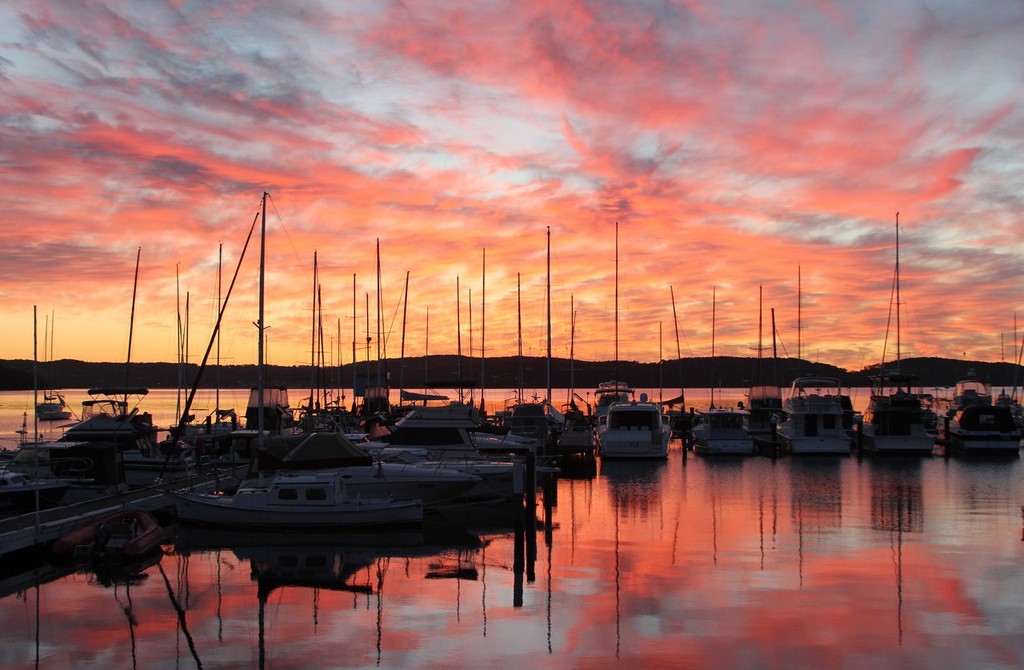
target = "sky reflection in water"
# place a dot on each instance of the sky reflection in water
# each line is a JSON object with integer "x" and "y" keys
{"x": 728, "y": 563}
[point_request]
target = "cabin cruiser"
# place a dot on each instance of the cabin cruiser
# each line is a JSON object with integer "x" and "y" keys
{"x": 633, "y": 429}
{"x": 106, "y": 418}
{"x": 20, "y": 494}
{"x": 812, "y": 418}
{"x": 894, "y": 421}
{"x": 720, "y": 430}
{"x": 977, "y": 425}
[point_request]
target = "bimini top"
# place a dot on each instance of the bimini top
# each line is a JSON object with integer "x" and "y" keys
{"x": 801, "y": 384}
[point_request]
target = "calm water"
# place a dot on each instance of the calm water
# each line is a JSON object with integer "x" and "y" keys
{"x": 693, "y": 562}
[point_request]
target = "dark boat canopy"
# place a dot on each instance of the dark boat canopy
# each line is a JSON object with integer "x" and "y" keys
{"x": 118, "y": 390}
{"x": 412, "y": 396}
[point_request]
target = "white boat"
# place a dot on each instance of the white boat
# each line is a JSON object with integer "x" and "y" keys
{"x": 20, "y": 494}
{"x": 976, "y": 425}
{"x": 53, "y": 408}
{"x": 812, "y": 418}
{"x": 317, "y": 499}
{"x": 634, "y": 429}
{"x": 894, "y": 421}
{"x": 720, "y": 430}
{"x": 448, "y": 432}
{"x": 432, "y": 483}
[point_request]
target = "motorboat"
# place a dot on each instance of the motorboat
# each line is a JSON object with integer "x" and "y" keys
{"x": 812, "y": 418}
{"x": 977, "y": 425}
{"x": 446, "y": 432}
{"x": 894, "y": 421}
{"x": 607, "y": 393}
{"x": 633, "y": 429}
{"x": 764, "y": 407}
{"x": 20, "y": 494}
{"x": 434, "y": 484}
{"x": 107, "y": 418}
{"x": 720, "y": 430}
{"x": 295, "y": 500}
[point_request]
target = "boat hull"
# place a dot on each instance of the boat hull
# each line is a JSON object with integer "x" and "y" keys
{"x": 206, "y": 508}
{"x": 815, "y": 445}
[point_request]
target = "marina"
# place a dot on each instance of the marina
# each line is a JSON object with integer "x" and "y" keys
{"x": 692, "y": 560}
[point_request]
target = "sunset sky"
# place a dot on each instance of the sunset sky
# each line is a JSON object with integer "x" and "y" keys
{"x": 738, "y": 145}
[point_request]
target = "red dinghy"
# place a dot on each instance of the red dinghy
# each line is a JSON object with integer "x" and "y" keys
{"x": 127, "y": 534}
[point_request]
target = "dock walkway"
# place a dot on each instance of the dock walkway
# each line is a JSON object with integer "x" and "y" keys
{"x": 37, "y": 529}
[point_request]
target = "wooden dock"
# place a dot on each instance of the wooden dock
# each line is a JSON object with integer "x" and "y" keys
{"x": 38, "y": 529}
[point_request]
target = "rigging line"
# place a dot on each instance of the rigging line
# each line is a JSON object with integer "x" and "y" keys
{"x": 291, "y": 243}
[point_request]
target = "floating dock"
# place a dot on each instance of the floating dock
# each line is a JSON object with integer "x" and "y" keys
{"x": 38, "y": 529}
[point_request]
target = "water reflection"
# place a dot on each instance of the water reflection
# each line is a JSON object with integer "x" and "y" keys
{"x": 705, "y": 563}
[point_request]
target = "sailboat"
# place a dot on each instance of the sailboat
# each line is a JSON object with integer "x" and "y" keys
{"x": 812, "y": 419}
{"x": 720, "y": 430}
{"x": 53, "y": 407}
{"x": 626, "y": 427}
{"x": 894, "y": 419}
{"x": 289, "y": 499}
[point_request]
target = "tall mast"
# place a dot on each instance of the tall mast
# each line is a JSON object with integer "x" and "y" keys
{"x": 679, "y": 354}
{"x": 405, "y": 313}
{"x": 799, "y": 317}
{"x": 519, "y": 313}
{"x": 548, "y": 396}
{"x": 714, "y": 305}
{"x": 259, "y": 319}
{"x": 131, "y": 323}
{"x": 353, "y": 341}
{"x": 220, "y": 261}
{"x": 616, "y": 301}
{"x": 458, "y": 330}
{"x": 312, "y": 335}
{"x": 572, "y": 348}
{"x": 469, "y": 302}
{"x": 898, "y": 357}
{"x": 381, "y": 344}
{"x": 483, "y": 327}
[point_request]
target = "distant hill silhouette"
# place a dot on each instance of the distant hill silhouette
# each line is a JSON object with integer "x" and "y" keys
{"x": 443, "y": 371}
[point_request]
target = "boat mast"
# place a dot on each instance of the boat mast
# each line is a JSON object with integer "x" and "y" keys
{"x": 714, "y": 305}
{"x": 679, "y": 354}
{"x": 519, "y": 314}
{"x": 131, "y": 326}
{"x": 898, "y": 355}
{"x": 312, "y": 335}
{"x": 548, "y": 396}
{"x": 469, "y": 303}
{"x": 458, "y": 333}
{"x": 483, "y": 327}
{"x": 220, "y": 260}
{"x": 260, "y": 326}
{"x": 354, "y": 342}
{"x": 616, "y": 301}
{"x": 405, "y": 313}
{"x": 572, "y": 350}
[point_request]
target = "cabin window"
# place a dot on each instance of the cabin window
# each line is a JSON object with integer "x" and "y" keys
{"x": 316, "y": 494}
{"x": 288, "y": 494}
{"x": 811, "y": 425}
{"x": 828, "y": 422}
